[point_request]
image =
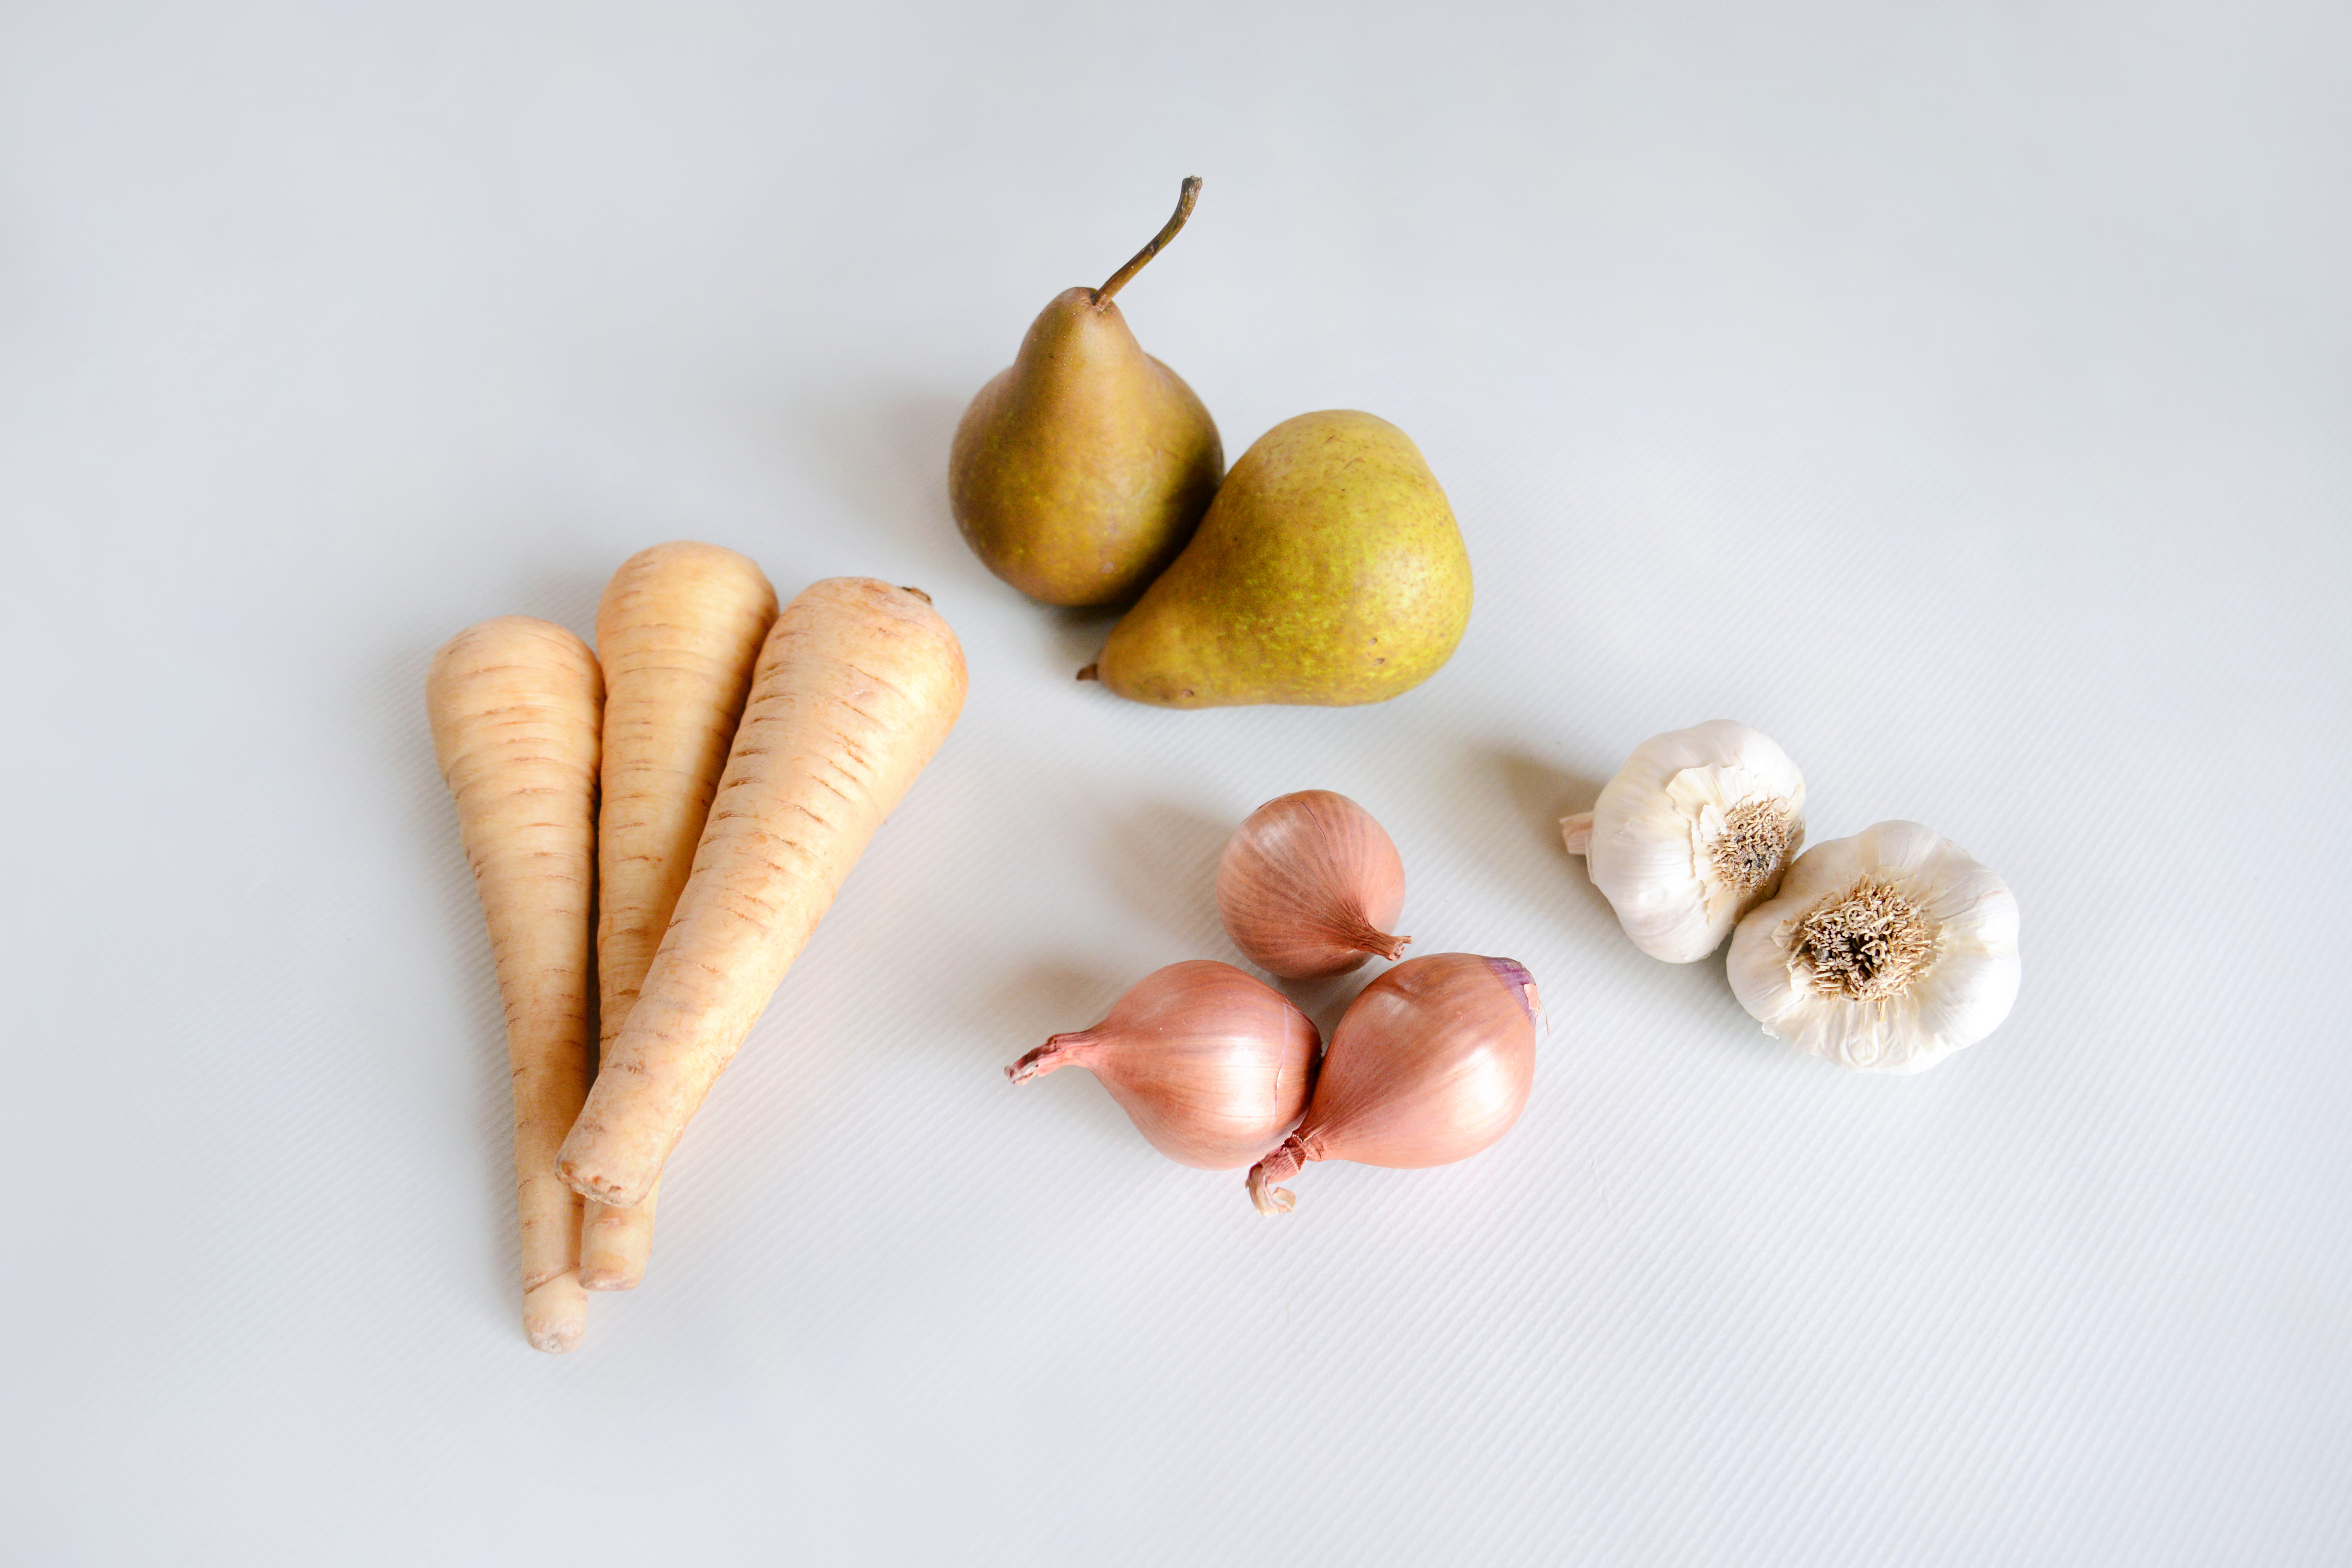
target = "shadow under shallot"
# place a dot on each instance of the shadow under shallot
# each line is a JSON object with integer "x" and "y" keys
{"x": 1163, "y": 859}
{"x": 1040, "y": 1000}
{"x": 1328, "y": 999}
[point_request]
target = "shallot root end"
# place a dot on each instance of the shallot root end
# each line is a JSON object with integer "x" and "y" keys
{"x": 1269, "y": 1201}
{"x": 1054, "y": 1053}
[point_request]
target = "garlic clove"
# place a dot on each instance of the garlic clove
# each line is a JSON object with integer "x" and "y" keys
{"x": 1883, "y": 953}
{"x": 1696, "y": 829}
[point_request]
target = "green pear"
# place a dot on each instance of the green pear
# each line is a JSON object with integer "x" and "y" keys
{"x": 1328, "y": 571}
{"x": 1078, "y": 474}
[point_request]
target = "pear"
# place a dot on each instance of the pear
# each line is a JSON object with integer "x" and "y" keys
{"x": 1078, "y": 474}
{"x": 1328, "y": 571}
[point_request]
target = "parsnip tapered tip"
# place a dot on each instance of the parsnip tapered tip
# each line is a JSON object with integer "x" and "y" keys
{"x": 615, "y": 1245}
{"x": 612, "y": 1191}
{"x": 615, "y": 1277}
{"x": 555, "y": 1315}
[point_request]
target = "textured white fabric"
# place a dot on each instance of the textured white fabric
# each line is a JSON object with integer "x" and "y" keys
{"x": 1957, "y": 394}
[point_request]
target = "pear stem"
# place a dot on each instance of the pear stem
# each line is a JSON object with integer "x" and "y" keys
{"x": 1184, "y": 200}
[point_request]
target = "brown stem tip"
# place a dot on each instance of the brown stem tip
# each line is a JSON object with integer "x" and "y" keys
{"x": 1090, "y": 673}
{"x": 1268, "y": 1199}
{"x": 1041, "y": 1061}
{"x": 1118, "y": 280}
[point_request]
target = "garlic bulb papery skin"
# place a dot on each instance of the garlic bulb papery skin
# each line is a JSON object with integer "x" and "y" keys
{"x": 1695, "y": 830}
{"x": 1212, "y": 1064}
{"x": 1884, "y": 952}
{"x": 1310, "y": 884}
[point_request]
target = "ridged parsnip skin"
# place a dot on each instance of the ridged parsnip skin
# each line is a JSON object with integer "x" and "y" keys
{"x": 1078, "y": 473}
{"x": 856, "y": 686}
{"x": 515, "y": 705}
{"x": 1328, "y": 571}
{"x": 678, "y": 632}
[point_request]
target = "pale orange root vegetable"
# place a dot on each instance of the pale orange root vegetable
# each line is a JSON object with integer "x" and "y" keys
{"x": 515, "y": 705}
{"x": 856, "y": 686}
{"x": 678, "y": 632}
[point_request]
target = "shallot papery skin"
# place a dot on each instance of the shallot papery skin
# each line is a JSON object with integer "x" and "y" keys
{"x": 1308, "y": 886}
{"x": 1211, "y": 1065}
{"x": 1431, "y": 1064}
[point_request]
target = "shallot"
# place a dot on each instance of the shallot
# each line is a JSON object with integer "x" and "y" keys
{"x": 1431, "y": 1064}
{"x": 1211, "y": 1065}
{"x": 1309, "y": 885}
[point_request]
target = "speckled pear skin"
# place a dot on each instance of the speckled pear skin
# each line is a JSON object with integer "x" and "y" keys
{"x": 1078, "y": 473}
{"x": 1328, "y": 571}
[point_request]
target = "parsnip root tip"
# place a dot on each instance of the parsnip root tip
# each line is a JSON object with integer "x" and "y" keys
{"x": 615, "y": 1279}
{"x": 598, "y": 1189}
{"x": 555, "y": 1315}
{"x": 615, "y": 1244}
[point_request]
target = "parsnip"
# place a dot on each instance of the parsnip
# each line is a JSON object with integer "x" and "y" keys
{"x": 857, "y": 684}
{"x": 515, "y": 705}
{"x": 678, "y": 632}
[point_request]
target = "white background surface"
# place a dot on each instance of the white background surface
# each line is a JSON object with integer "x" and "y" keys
{"x": 1957, "y": 393}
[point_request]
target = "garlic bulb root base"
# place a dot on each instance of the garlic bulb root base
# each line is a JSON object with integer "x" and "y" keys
{"x": 1883, "y": 953}
{"x": 1577, "y": 832}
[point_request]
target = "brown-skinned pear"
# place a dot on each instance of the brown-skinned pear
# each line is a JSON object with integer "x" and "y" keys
{"x": 1080, "y": 472}
{"x": 1328, "y": 571}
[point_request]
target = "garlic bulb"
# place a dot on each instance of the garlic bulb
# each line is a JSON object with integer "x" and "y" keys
{"x": 1694, "y": 832}
{"x": 1884, "y": 952}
